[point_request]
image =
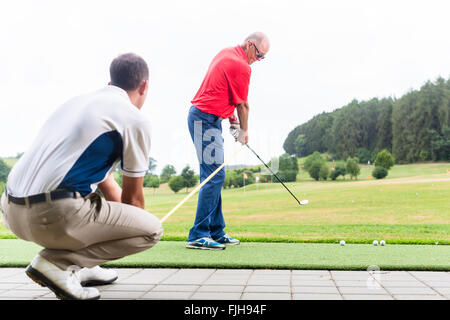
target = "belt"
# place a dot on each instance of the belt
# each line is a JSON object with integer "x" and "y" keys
{"x": 42, "y": 197}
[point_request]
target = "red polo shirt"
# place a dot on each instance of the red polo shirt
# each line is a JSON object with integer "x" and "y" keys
{"x": 225, "y": 84}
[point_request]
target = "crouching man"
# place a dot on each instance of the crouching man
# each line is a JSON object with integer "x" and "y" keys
{"x": 50, "y": 196}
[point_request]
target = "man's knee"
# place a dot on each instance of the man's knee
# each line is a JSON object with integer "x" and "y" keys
{"x": 155, "y": 232}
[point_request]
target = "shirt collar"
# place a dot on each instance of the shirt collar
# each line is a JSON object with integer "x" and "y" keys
{"x": 118, "y": 90}
{"x": 242, "y": 53}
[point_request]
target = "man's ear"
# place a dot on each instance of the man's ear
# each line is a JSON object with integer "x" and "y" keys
{"x": 143, "y": 87}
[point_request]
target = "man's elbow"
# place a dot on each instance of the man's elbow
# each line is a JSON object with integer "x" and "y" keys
{"x": 243, "y": 106}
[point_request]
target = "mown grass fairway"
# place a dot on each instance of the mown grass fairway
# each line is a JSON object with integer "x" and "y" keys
{"x": 251, "y": 255}
{"x": 412, "y": 205}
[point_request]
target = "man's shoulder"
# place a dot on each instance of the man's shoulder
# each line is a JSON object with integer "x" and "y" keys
{"x": 230, "y": 58}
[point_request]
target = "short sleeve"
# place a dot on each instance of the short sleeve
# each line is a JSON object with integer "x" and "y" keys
{"x": 239, "y": 80}
{"x": 136, "y": 149}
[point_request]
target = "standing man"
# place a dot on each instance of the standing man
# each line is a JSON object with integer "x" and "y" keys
{"x": 224, "y": 89}
{"x": 50, "y": 198}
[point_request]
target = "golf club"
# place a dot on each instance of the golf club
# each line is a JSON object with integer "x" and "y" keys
{"x": 200, "y": 185}
{"x": 303, "y": 202}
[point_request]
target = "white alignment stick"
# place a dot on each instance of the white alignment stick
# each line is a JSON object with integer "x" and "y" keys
{"x": 201, "y": 184}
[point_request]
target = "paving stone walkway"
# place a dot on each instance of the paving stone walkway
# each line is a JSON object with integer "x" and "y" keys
{"x": 228, "y": 284}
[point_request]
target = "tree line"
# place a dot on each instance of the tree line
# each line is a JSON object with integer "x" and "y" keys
{"x": 414, "y": 127}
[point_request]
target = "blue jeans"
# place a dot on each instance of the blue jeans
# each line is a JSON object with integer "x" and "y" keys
{"x": 206, "y": 133}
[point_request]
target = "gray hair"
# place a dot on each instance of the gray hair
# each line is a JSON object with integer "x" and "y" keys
{"x": 257, "y": 38}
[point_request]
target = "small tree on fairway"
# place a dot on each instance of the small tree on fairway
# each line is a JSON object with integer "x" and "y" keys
{"x": 339, "y": 170}
{"x": 352, "y": 168}
{"x": 176, "y": 183}
{"x": 151, "y": 181}
{"x": 384, "y": 159}
{"x": 190, "y": 180}
{"x": 228, "y": 182}
{"x": 151, "y": 165}
{"x": 311, "y": 159}
{"x": 314, "y": 169}
{"x": 167, "y": 172}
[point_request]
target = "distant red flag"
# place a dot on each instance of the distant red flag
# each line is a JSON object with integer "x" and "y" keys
{"x": 245, "y": 176}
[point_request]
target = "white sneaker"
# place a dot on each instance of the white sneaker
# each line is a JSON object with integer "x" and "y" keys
{"x": 97, "y": 276}
{"x": 64, "y": 283}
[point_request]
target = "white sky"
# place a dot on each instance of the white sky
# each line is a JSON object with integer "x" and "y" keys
{"x": 323, "y": 54}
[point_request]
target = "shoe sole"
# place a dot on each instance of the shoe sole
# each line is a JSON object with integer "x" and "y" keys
{"x": 43, "y": 281}
{"x": 204, "y": 248}
{"x": 93, "y": 283}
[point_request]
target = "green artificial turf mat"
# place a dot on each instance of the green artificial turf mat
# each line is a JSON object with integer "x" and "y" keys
{"x": 173, "y": 254}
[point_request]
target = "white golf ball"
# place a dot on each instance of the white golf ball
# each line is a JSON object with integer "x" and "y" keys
{"x": 375, "y": 242}
{"x": 342, "y": 243}
{"x": 382, "y": 243}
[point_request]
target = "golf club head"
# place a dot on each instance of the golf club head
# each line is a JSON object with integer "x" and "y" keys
{"x": 303, "y": 202}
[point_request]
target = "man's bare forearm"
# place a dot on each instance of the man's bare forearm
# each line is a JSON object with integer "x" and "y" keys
{"x": 136, "y": 200}
{"x": 132, "y": 191}
{"x": 242, "y": 111}
{"x": 111, "y": 189}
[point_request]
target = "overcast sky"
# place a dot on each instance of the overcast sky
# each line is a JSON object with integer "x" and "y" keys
{"x": 323, "y": 54}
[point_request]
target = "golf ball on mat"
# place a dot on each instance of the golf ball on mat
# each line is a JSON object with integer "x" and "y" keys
{"x": 375, "y": 242}
{"x": 382, "y": 243}
{"x": 342, "y": 243}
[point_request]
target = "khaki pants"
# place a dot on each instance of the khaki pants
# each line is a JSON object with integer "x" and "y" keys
{"x": 84, "y": 231}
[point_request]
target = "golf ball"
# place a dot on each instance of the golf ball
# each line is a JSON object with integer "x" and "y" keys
{"x": 342, "y": 243}
{"x": 375, "y": 242}
{"x": 382, "y": 243}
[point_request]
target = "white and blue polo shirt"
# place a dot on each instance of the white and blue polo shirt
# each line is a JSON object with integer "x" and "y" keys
{"x": 82, "y": 143}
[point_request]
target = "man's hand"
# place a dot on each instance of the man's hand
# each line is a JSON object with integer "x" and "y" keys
{"x": 239, "y": 135}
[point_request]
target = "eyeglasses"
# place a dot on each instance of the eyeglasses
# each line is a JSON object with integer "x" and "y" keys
{"x": 258, "y": 54}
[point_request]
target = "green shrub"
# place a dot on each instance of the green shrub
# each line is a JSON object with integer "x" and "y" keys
{"x": 352, "y": 168}
{"x": 151, "y": 181}
{"x": 379, "y": 172}
{"x": 314, "y": 168}
{"x": 286, "y": 176}
{"x": 311, "y": 159}
{"x": 339, "y": 170}
{"x": 190, "y": 179}
{"x": 176, "y": 183}
{"x": 384, "y": 159}
{"x": 167, "y": 172}
{"x": 323, "y": 172}
{"x": 228, "y": 182}
{"x": 237, "y": 179}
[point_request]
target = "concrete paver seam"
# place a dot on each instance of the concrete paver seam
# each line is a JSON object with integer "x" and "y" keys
{"x": 195, "y": 291}
{"x": 246, "y": 284}
{"x": 335, "y": 285}
{"x": 381, "y": 285}
{"x": 421, "y": 281}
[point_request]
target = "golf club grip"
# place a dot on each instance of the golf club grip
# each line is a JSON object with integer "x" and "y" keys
{"x": 273, "y": 173}
{"x": 200, "y": 185}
